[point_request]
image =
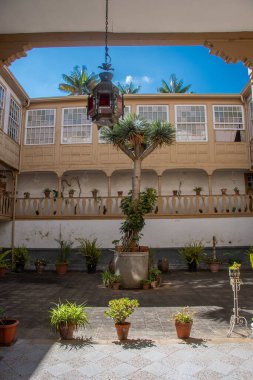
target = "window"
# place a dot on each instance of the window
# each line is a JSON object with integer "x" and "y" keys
{"x": 76, "y": 127}
{"x": 249, "y": 183}
{"x": 2, "y": 94}
{"x": 127, "y": 110}
{"x": 40, "y": 127}
{"x": 191, "y": 123}
{"x": 153, "y": 113}
{"x": 228, "y": 123}
{"x": 250, "y": 104}
{"x": 14, "y": 120}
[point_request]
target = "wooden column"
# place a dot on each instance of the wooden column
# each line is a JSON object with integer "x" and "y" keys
{"x": 210, "y": 184}
{"x": 159, "y": 184}
{"x": 59, "y": 189}
{"x": 109, "y": 189}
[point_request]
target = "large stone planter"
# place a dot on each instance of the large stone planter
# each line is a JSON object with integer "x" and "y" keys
{"x": 132, "y": 268}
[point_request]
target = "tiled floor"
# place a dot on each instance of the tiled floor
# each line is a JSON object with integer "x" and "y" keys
{"x": 152, "y": 350}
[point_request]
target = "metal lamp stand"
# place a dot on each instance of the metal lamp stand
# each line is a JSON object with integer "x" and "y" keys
{"x": 236, "y": 319}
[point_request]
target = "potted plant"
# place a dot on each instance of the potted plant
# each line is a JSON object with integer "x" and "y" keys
{"x": 163, "y": 265}
{"x": 137, "y": 138}
{"x": 62, "y": 262}
{"x": 234, "y": 270}
{"x": 120, "y": 193}
{"x": 94, "y": 192}
{"x": 20, "y": 258}
{"x": 193, "y": 254}
{"x": 249, "y": 252}
{"x": 183, "y": 323}
{"x": 175, "y": 193}
{"x": 27, "y": 194}
{"x": 115, "y": 281}
{"x": 107, "y": 278}
{"x": 40, "y": 265}
{"x": 47, "y": 192}
{"x": 214, "y": 264}
{"x": 223, "y": 191}
{"x": 236, "y": 190}
{"x": 154, "y": 276}
{"x": 67, "y": 317}
{"x": 71, "y": 193}
{"x": 91, "y": 252}
{"x": 145, "y": 284}
{"x": 4, "y": 262}
{"x": 198, "y": 190}
{"x": 8, "y": 329}
{"x": 119, "y": 310}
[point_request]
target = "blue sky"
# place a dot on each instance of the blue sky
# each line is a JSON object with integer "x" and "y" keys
{"x": 41, "y": 71}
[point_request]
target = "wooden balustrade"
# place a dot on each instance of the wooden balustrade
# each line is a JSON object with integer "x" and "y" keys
{"x": 109, "y": 207}
{"x": 5, "y": 207}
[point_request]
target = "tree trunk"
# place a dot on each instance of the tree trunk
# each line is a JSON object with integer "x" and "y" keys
{"x": 136, "y": 180}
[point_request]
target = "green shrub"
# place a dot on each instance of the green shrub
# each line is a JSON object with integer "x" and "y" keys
{"x": 20, "y": 255}
{"x": 120, "y": 309}
{"x": 193, "y": 253}
{"x": 90, "y": 250}
{"x": 68, "y": 313}
{"x": 154, "y": 274}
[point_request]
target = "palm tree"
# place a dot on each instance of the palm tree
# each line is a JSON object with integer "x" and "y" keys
{"x": 128, "y": 88}
{"x": 137, "y": 138}
{"x": 175, "y": 86}
{"x": 79, "y": 82}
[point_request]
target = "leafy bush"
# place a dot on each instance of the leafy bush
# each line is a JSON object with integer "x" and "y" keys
{"x": 20, "y": 255}
{"x": 154, "y": 274}
{"x": 120, "y": 309}
{"x": 68, "y": 313}
{"x": 5, "y": 263}
{"x": 183, "y": 316}
{"x": 193, "y": 253}
{"x": 90, "y": 250}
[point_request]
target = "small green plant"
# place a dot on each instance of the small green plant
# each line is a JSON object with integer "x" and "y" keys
{"x": 47, "y": 190}
{"x": 154, "y": 274}
{"x": 235, "y": 266}
{"x": 120, "y": 309}
{"x": 71, "y": 191}
{"x": 26, "y": 194}
{"x": 38, "y": 262}
{"x": 249, "y": 252}
{"x": 20, "y": 255}
{"x": 68, "y": 313}
{"x": 232, "y": 259}
{"x": 197, "y": 189}
{"x": 2, "y": 313}
{"x": 5, "y": 263}
{"x": 90, "y": 250}
{"x": 213, "y": 260}
{"x": 116, "y": 278}
{"x": 64, "y": 250}
{"x": 107, "y": 278}
{"x": 193, "y": 253}
{"x": 184, "y": 315}
{"x": 145, "y": 282}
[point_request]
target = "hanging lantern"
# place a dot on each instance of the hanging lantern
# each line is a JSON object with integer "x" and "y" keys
{"x": 105, "y": 104}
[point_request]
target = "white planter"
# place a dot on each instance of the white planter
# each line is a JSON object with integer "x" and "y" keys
{"x": 132, "y": 268}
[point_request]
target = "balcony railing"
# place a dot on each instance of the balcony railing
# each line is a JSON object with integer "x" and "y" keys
{"x": 109, "y": 207}
{"x": 5, "y": 207}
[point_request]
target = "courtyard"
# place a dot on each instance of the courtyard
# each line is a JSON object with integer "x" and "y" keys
{"x": 152, "y": 348}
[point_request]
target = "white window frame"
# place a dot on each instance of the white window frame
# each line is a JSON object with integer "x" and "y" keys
{"x": 17, "y": 122}
{"x": 228, "y": 129}
{"x": 62, "y": 127}
{"x": 3, "y": 108}
{"x": 46, "y": 126}
{"x": 155, "y": 105}
{"x": 100, "y": 141}
{"x": 250, "y": 118}
{"x": 176, "y": 122}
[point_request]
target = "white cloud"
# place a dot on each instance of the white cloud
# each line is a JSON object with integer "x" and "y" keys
{"x": 146, "y": 79}
{"x": 129, "y": 79}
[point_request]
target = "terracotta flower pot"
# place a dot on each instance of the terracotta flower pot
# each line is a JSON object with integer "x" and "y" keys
{"x": 214, "y": 267}
{"x": 2, "y": 272}
{"x": 120, "y": 193}
{"x": 66, "y": 331}
{"x": 163, "y": 265}
{"x": 47, "y": 194}
{"x": 183, "y": 329}
{"x": 8, "y": 328}
{"x": 40, "y": 268}
{"x": 154, "y": 284}
{"x": 116, "y": 285}
{"x": 61, "y": 268}
{"x": 145, "y": 286}
{"x": 122, "y": 330}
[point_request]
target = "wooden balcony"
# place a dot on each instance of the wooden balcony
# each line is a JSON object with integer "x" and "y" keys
{"x": 109, "y": 207}
{"x": 5, "y": 207}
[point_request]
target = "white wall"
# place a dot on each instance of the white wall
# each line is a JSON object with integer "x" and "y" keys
{"x": 228, "y": 180}
{"x": 158, "y": 233}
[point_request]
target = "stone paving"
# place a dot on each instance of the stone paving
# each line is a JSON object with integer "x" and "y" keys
{"x": 152, "y": 350}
